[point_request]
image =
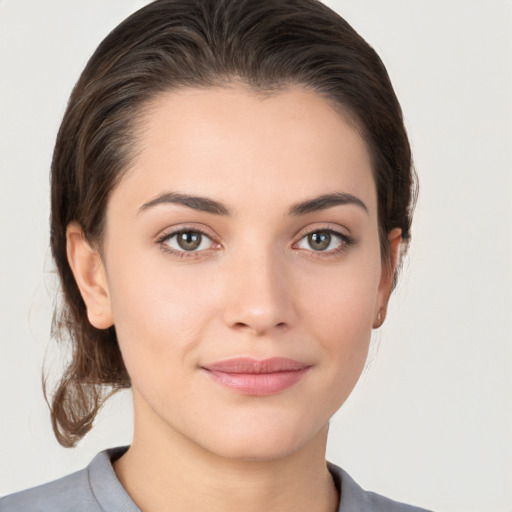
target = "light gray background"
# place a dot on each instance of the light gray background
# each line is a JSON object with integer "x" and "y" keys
{"x": 431, "y": 423}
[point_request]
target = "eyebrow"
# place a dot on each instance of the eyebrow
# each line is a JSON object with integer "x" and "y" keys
{"x": 208, "y": 205}
{"x": 202, "y": 204}
{"x": 324, "y": 202}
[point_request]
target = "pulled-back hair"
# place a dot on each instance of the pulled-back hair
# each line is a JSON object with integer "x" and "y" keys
{"x": 169, "y": 44}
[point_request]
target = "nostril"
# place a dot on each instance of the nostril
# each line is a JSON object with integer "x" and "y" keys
{"x": 260, "y": 329}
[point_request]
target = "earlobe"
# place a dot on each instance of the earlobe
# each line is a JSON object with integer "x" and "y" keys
{"x": 387, "y": 276}
{"x": 90, "y": 276}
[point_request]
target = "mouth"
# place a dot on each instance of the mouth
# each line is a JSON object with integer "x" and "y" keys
{"x": 253, "y": 377}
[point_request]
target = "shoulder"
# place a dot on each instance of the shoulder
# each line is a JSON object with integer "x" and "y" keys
{"x": 356, "y": 499}
{"x": 93, "y": 489}
{"x": 71, "y": 492}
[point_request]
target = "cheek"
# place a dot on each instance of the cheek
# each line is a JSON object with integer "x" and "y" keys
{"x": 339, "y": 309}
{"x": 343, "y": 300}
{"x": 159, "y": 311}
{"x": 344, "y": 332}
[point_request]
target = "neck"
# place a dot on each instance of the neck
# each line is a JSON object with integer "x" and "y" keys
{"x": 170, "y": 472}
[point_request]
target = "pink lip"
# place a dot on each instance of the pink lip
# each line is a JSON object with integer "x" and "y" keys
{"x": 257, "y": 377}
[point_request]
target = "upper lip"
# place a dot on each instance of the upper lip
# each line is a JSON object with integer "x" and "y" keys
{"x": 248, "y": 365}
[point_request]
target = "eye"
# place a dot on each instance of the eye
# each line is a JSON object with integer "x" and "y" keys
{"x": 324, "y": 240}
{"x": 187, "y": 241}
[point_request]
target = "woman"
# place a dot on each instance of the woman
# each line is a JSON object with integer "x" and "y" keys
{"x": 232, "y": 191}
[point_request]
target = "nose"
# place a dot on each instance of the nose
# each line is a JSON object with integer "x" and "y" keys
{"x": 259, "y": 295}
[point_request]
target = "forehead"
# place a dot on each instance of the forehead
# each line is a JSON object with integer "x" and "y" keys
{"x": 243, "y": 146}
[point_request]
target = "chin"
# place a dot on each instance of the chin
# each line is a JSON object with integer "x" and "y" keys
{"x": 263, "y": 441}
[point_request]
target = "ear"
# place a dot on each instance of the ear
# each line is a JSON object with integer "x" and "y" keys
{"x": 386, "y": 279}
{"x": 90, "y": 276}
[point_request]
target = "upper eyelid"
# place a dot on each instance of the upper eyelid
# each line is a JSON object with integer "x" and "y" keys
{"x": 343, "y": 232}
{"x": 167, "y": 236}
{"x": 172, "y": 231}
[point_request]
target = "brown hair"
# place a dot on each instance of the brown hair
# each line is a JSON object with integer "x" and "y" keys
{"x": 266, "y": 44}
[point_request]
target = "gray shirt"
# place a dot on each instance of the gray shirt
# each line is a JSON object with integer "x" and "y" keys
{"x": 97, "y": 489}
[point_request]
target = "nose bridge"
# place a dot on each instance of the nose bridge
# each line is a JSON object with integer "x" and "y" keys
{"x": 258, "y": 298}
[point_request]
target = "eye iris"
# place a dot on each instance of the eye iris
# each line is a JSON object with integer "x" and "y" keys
{"x": 319, "y": 240}
{"x": 189, "y": 240}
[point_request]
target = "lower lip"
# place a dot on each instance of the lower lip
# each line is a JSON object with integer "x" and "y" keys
{"x": 258, "y": 384}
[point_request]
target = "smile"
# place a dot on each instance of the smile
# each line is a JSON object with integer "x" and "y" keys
{"x": 257, "y": 377}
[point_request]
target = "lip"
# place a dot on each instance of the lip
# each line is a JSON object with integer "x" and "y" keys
{"x": 257, "y": 377}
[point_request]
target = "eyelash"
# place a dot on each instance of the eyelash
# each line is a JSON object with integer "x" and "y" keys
{"x": 345, "y": 242}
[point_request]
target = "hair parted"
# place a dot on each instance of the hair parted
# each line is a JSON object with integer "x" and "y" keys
{"x": 268, "y": 45}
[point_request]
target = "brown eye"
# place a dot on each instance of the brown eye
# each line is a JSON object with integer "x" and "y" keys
{"x": 188, "y": 241}
{"x": 324, "y": 240}
{"x": 319, "y": 240}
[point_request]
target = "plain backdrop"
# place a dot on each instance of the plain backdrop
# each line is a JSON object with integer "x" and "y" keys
{"x": 431, "y": 420}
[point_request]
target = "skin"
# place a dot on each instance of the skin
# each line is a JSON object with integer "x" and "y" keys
{"x": 254, "y": 288}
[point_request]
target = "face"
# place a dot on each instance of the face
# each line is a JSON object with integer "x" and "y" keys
{"x": 242, "y": 268}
